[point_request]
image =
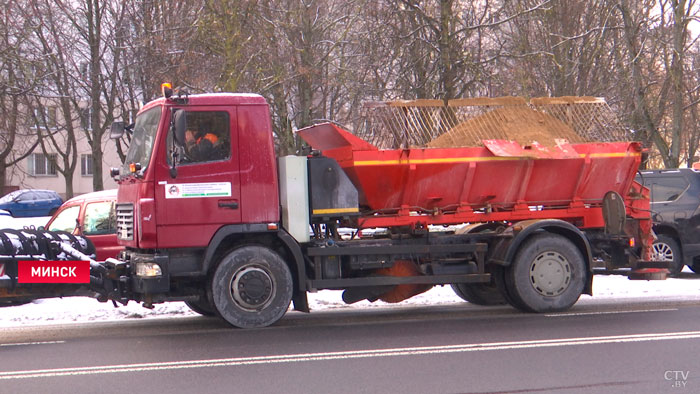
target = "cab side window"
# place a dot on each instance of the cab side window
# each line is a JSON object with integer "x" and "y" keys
{"x": 207, "y": 137}
{"x": 99, "y": 219}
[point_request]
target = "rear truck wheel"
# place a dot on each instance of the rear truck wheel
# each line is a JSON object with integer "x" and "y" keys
{"x": 479, "y": 293}
{"x": 252, "y": 287}
{"x": 202, "y": 306}
{"x": 548, "y": 274}
{"x": 498, "y": 273}
{"x": 666, "y": 248}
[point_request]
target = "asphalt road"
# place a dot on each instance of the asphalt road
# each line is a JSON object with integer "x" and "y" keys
{"x": 621, "y": 346}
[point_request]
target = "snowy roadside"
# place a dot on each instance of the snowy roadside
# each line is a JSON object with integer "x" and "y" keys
{"x": 82, "y": 309}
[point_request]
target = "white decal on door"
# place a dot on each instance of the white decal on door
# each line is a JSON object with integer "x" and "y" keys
{"x": 198, "y": 190}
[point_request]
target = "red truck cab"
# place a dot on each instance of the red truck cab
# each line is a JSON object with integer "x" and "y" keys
{"x": 195, "y": 198}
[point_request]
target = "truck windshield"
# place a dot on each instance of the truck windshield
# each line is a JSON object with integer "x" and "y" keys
{"x": 141, "y": 146}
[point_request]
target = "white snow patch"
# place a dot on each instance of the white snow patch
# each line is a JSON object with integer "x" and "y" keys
{"x": 80, "y": 309}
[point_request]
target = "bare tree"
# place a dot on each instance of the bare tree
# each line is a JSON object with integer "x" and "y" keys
{"x": 52, "y": 114}
{"x": 15, "y": 144}
{"x": 657, "y": 40}
{"x": 565, "y": 48}
{"x": 292, "y": 52}
{"x": 94, "y": 66}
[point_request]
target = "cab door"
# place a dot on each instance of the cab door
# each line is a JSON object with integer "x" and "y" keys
{"x": 205, "y": 193}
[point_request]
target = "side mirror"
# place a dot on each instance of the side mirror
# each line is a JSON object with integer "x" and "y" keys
{"x": 180, "y": 124}
{"x": 117, "y": 130}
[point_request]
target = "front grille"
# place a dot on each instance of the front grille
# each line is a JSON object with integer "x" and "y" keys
{"x": 125, "y": 221}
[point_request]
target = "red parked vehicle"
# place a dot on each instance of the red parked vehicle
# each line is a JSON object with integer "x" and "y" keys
{"x": 91, "y": 215}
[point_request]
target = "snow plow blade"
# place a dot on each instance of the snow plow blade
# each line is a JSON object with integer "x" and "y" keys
{"x": 44, "y": 247}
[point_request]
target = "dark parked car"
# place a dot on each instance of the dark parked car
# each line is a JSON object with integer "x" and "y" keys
{"x": 675, "y": 206}
{"x": 91, "y": 215}
{"x": 34, "y": 202}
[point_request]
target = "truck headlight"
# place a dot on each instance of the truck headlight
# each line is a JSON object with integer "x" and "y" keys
{"x": 148, "y": 269}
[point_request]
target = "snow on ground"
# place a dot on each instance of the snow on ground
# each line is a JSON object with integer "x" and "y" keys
{"x": 82, "y": 309}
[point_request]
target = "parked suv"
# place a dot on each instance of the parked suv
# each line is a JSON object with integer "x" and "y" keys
{"x": 675, "y": 206}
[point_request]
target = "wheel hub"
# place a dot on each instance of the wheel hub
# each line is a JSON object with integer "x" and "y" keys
{"x": 252, "y": 288}
{"x": 661, "y": 252}
{"x": 550, "y": 274}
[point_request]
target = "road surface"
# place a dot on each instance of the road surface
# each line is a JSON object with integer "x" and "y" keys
{"x": 609, "y": 346}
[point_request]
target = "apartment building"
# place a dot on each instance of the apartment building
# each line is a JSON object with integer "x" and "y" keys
{"x": 39, "y": 171}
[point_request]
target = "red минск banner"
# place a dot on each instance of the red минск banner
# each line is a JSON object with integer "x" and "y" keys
{"x": 36, "y": 271}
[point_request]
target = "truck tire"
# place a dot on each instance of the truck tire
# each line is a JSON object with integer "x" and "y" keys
{"x": 486, "y": 294}
{"x": 666, "y": 248}
{"x": 251, "y": 287}
{"x": 202, "y": 306}
{"x": 548, "y": 274}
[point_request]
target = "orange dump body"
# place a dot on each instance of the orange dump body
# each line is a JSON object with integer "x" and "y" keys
{"x": 500, "y": 181}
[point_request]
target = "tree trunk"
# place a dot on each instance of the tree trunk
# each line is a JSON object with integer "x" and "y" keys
{"x": 641, "y": 117}
{"x": 676, "y": 74}
{"x": 68, "y": 176}
{"x": 3, "y": 171}
{"x": 97, "y": 183}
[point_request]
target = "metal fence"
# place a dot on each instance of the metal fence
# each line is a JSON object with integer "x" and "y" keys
{"x": 465, "y": 122}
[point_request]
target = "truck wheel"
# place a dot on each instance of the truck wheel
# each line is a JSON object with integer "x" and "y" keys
{"x": 251, "y": 287}
{"x": 498, "y": 273}
{"x": 202, "y": 306}
{"x": 666, "y": 248}
{"x": 479, "y": 293}
{"x": 548, "y": 274}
